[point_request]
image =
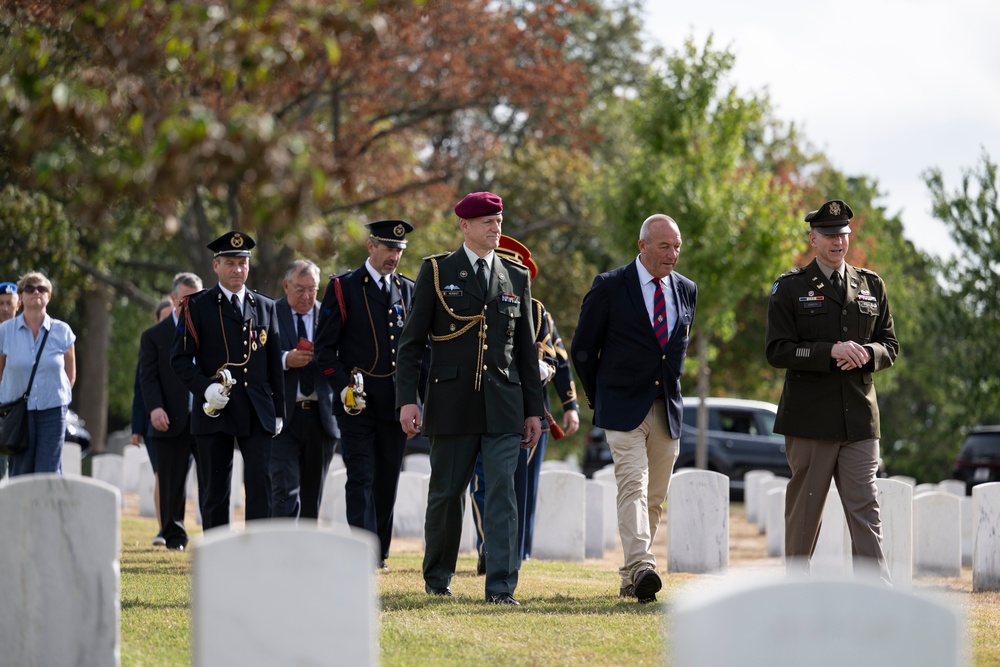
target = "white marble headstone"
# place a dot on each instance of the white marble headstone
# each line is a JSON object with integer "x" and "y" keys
{"x": 133, "y": 456}
{"x": 560, "y": 516}
{"x": 912, "y": 481}
{"x": 956, "y": 487}
{"x": 832, "y": 556}
{"x": 605, "y": 474}
{"x": 764, "y": 487}
{"x": 333, "y": 506}
{"x": 147, "y": 490}
{"x": 556, "y": 464}
{"x": 937, "y": 534}
{"x": 410, "y": 509}
{"x": 468, "y": 544}
{"x": 820, "y": 623}
{"x": 776, "y": 521}
{"x": 417, "y": 463}
{"x": 236, "y": 500}
{"x": 986, "y": 538}
{"x": 895, "y": 502}
{"x": 110, "y": 469}
{"x": 698, "y": 522}
{"x": 594, "y": 547}
{"x": 60, "y": 582}
{"x": 282, "y": 593}
{"x": 71, "y": 463}
{"x": 610, "y": 508}
{"x": 926, "y": 487}
{"x": 968, "y": 529}
{"x": 751, "y": 493}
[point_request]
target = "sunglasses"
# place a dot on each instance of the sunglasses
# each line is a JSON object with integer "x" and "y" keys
{"x": 31, "y": 289}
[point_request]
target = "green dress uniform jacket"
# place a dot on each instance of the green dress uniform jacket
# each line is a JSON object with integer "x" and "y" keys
{"x": 805, "y": 318}
{"x": 483, "y": 375}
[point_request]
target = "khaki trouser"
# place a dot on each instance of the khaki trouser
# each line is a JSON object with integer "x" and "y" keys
{"x": 644, "y": 459}
{"x": 853, "y": 466}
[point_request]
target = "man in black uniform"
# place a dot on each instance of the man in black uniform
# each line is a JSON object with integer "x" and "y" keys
{"x": 301, "y": 453}
{"x": 362, "y": 316}
{"x": 226, "y": 351}
{"x": 484, "y": 393}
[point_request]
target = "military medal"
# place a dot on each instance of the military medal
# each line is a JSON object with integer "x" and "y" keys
{"x": 263, "y": 337}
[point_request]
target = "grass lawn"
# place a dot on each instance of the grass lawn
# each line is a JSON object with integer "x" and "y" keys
{"x": 571, "y": 614}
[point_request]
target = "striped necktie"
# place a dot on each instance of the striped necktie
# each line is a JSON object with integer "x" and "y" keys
{"x": 660, "y": 316}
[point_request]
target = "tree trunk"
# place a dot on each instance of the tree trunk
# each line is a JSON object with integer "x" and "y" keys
{"x": 92, "y": 364}
{"x": 702, "y": 339}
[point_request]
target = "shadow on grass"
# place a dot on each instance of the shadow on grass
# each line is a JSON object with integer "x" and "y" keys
{"x": 134, "y": 603}
{"x": 563, "y": 605}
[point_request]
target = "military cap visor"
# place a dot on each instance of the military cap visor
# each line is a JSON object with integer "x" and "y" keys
{"x": 389, "y": 232}
{"x": 831, "y": 218}
{"x": 232, "y": 244}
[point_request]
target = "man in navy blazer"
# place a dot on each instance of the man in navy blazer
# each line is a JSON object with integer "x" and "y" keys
{"x": 301, "y": 453}
{"x": 167, "y": 403}
{"x": 629, "y": 350}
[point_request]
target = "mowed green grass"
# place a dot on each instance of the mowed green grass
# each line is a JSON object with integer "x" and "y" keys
{"x": 571, "y": 614}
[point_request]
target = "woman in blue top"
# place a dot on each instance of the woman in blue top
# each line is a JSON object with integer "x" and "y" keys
{"x": 53, "y": 386}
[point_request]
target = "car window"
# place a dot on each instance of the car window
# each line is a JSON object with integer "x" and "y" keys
{"x": 737, "y": 421}
{"x": 982, "y": 445}
{"x": 765, "y": 422}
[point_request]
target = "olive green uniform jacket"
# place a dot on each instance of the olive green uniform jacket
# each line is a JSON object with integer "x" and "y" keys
{"x": 805, "y": 317}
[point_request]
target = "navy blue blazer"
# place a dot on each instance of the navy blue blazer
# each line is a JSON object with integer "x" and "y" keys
{"x": 288, "y": 336}
{"x": 618, "y": 357}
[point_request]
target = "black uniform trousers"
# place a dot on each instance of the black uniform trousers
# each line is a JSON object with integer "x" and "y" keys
{"x": 174, "y": 455}
{"x": 373, "y": 455}
{"x": 300, "y": 459}
{"x": 215, "y": 451}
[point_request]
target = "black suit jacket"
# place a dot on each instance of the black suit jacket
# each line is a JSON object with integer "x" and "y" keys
{"x": 510, "y": 388}
{"x": 249, "y": 343}
{"x": 289, "y": 337}
{"x": 161, "y": 388}
{"x": 618, "y": 357}
{"x": 369, "y": 340}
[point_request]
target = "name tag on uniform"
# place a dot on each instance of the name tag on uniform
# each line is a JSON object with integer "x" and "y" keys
{"x": 510, "y": 298}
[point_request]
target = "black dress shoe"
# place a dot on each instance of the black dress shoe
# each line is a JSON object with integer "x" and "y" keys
{"x": 443, "y": 592}
{"x": 175, "y": 547}
{"x": 504, "y": 598}
{"x": 647, "y": 584}
{"x": 481, "y": 565}
{"x": 626, "y": 592}
{"x": 382, "y": 565}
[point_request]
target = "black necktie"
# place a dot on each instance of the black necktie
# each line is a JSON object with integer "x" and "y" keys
{"x": 236, "y": 304}
{"x": 385, "y": 288}
{"x": 838, "y": 284}
{"x": 305, "y": 373}
{"x": 481, "y": 275}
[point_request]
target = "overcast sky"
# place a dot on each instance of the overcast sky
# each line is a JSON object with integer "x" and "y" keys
{"x": 886, "y": 88}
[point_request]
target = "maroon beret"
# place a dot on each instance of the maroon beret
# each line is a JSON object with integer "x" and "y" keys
{"x": 478, "y": 204}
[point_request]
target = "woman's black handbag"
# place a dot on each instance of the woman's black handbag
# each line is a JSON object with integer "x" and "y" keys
{"x": 14, "y": 415}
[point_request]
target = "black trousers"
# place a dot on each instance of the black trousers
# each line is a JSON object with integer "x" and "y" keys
{"x": 174, "y": 457}
{"x": 373, "y": 456}
{"x": 300, "y": 458}
{"x": 215, "y": 451}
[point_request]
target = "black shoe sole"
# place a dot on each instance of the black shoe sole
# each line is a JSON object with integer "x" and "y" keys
{"x": 648, "y": 586}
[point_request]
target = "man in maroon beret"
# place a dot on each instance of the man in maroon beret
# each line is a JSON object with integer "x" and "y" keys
{"x": 484, "y": 393}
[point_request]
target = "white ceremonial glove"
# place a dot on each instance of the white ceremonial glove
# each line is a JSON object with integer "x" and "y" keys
{"x": 279, "y": 423}
{"x": 215, "y": 397}
{"x": 545, "y": 371}
{"x": 352, "y": 401}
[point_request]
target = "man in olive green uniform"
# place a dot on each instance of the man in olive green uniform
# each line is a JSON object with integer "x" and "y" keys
{"x": 484, "y": 393}
{"x": 829, "y": 326}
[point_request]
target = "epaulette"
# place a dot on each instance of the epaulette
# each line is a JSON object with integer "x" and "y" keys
{"x": 512, "y": 264}
{"x": 793, "y": 272}
{"x": 440, "y": 254}
{"x": 868, "y": 271}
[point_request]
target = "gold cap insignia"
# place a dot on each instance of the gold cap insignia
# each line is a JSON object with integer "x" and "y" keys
{"x": 236, "y": 241}
{"x": 834, "y": 208}
{"x": 398, "y": 230}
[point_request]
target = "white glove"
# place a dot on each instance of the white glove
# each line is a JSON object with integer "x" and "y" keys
{"x": 279, "y": 423}
{"x": 545, "y": 371}
{"x": 359, "y": 402}
{"x": 216, "y": 399}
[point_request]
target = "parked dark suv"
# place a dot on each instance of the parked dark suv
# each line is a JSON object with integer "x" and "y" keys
{"x": 979, "y": 459}
{"x": 740, "y": 438}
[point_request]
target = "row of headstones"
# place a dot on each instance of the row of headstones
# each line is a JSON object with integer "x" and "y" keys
{"x": 61, "y": 586}
{"x": 930, "y": 532}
